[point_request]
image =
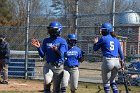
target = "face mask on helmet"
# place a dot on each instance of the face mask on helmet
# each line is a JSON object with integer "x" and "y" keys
{"x": 72, "y": 39}
{"x": 53, "y": 32}
{"x": 71, "y": 42}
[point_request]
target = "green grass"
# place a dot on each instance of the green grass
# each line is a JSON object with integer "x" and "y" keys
{"x": 98, "y": 88}
{"x": 85, "y": 88}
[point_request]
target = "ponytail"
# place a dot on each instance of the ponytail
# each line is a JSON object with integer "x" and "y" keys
{"x": 113, "y": 34}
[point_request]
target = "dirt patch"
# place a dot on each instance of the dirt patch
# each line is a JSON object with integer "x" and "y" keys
{"x": 21, "y": 84}
{"x": 37, "y": 85}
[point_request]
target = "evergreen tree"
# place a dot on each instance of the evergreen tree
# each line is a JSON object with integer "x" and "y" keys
{"x": 58, "y": 7}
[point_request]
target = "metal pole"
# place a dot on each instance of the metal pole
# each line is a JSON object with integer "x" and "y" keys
{"x": 113, "y": 13}
{"x": 76, "y": 16}
{"x": 26, "y": 39}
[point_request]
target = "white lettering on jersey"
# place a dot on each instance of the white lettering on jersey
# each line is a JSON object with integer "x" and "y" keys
{"x": 111, "y": 45}
{"x": 69, "y": 53}
{"x": 49, "y": 45}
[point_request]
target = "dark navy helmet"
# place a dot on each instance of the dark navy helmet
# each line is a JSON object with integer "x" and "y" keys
{"x": 107, "y": 27}
{"x": 55, "y": 25}
{"x": 72, "y": 37}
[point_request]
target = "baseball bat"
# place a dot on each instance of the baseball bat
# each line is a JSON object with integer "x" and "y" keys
{"x": 125, "y": 81}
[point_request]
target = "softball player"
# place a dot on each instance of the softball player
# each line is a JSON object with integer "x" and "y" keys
{"x": 73, "y": 57}
{"x": 53, "y": 49}
{"x": 110, "y": 47}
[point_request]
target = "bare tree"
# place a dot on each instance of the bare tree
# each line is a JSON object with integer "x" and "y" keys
{"x": 5, "y": 13}
{"x": 19, "y": 11}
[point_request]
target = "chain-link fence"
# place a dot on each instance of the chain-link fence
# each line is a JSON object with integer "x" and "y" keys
{"x": 83, "y": 18}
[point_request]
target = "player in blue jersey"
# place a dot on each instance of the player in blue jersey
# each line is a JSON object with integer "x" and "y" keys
{"x": 110, "y": 47}
{"x": 74, "y": 56}
{"x": 53, "y": 48}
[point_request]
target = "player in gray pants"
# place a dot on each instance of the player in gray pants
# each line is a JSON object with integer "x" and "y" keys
{"x": 53, "y": 48}
{"x": 74, "y": 55}
{"x": 111, "y": 48}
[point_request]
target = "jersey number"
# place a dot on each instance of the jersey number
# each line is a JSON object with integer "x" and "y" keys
{"x": 111, "y": 45}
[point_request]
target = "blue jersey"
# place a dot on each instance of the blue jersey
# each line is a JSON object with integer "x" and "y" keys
{"x": 72, "y": 56}
{"x": 46, "y": 49}
{"x": 110, "y": 46}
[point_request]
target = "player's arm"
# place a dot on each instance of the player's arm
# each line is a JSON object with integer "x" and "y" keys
{"x": 63, "y": 48}
{"x": 82, "y": 56}
{"x": 121, "y": 56}
{"x": 97, "y": 44}
{"x": 40, "y": 49}
{"x": 7, "y": 51}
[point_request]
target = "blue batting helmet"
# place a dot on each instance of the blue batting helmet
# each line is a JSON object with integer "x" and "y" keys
{"x": 55, "y": 25}
{"x": 107, "y": 26}
{"x": 72, "y": 36}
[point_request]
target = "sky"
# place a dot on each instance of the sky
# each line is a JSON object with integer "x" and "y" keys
{"x": 46, "y": 3}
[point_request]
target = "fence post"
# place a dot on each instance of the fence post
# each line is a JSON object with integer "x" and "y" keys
{"x": 113, "y": 13}
{"x": 76, "y": 15}
{"x": 27, "y": 39}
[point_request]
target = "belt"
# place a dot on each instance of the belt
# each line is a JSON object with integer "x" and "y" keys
{"x": 73, "y": 66}
{"x": 111, "y": 57}
{"x": 55, "y": 64}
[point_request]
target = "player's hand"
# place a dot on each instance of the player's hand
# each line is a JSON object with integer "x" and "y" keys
{"x": 95, "y": 40}
{"x": 122, "y": 64}
{"x": 35, "y": 43}
{"x": 55, "y": 48}
{"x": 100, "y": 32}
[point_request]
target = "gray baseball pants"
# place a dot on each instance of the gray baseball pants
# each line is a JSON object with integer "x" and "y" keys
{"x": 53, "y": 74}
{"x": 73, "y": 73}
{"x": 110, "y": 67}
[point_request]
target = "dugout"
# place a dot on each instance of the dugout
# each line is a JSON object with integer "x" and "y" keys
{"x": 17, "y": 68}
